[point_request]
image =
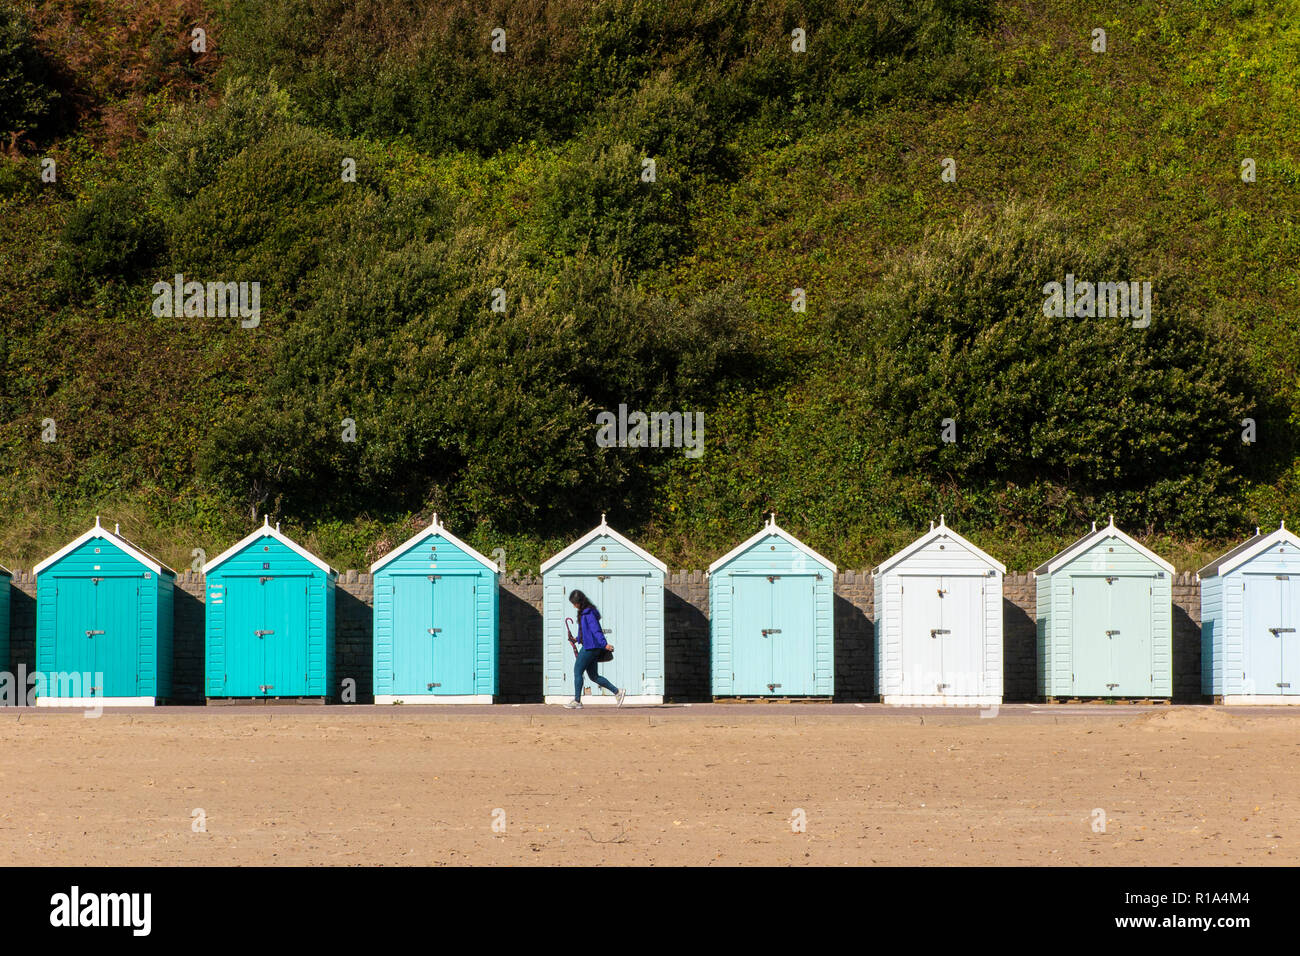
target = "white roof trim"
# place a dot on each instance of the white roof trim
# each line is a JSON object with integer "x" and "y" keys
{"x": 603, "y": 529}
{"x": 771, "y": 528}
{"x": 266, "y": 531}
{"x": 1086, "y": 542}
{"x": 1247, "y": 550}
{"x": 4, "y": 570}
{"x": 435, "y": 528}
{"x": 148, "y": 560}
{"x": 941, "y": 530}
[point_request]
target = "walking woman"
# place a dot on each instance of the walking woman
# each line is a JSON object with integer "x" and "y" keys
{"x": 593, "y": 642}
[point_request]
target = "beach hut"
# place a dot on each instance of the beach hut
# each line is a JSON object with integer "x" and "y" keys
{"x": 6, "y": 582}
{"x": 1250, "y": 616}
{"x": 1105, "y": 621}
{"x": 771, "y": 618}
{"x": 626, "y": 584}
{"x": 938, "y": 635}
{"x": 270, "y": 620}
{"x": 103, "y": 624}
{"x": 435, "y": 622}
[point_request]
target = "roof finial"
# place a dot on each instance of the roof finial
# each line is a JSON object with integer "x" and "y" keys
{"x": 931, "y": 524}
{"x": 96, "y": 521}
{"x": 1257, "y": 531}
{"x": 602, "y": 519}
{"x": 940, "y": 519}
{"x": 117, "y": 528}
{"x": 277, "y": 526}
{"x": 266, "y": 520}
{"x": 1094, "y": 527}
{"x": 435, "y": 519}
{"x": 771, "y": 520}
{"x": 1281, "y": 525}
{"x": 1112, "y": 521}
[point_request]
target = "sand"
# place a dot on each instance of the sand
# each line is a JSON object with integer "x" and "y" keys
{"x": 704, "y": 785}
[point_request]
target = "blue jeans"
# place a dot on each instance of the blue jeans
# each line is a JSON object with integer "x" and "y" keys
{"x": 587, "y": 662}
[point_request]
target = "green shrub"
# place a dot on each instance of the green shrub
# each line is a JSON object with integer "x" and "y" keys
{"x": 27, "y": 95}
{"x": 112, "y": 235}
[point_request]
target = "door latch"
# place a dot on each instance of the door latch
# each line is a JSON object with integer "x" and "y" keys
{"x": 263, "y": 633}
{"x": 767, "y": 631}
{"x": 1111, "y": 686}
{"x": 93, "y": 633}
{"x": 435, "y": 630}
{"x": 431, "y": 686}
{"x": 1111, "y": 633}
{"x": 1282, "y": 630}
{"x": 771, "y": 688}
{"x": 265, "y": 687}
{"x": 936, "y": 631}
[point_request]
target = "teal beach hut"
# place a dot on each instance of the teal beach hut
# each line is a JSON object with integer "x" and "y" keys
{"x": 1105, "y": 619}
{"x": 103, "y": 624}
{"x": 938, "y": 628}
{"x": 771, "y": 618}
{"x": 1250, "y": 622}
{"x": 270, "y": 620}
{"x": 626, "y": 584}
{"x": 435, "y": 622}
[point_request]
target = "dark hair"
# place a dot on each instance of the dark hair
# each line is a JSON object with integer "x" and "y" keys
{"x": 579, "y": 599}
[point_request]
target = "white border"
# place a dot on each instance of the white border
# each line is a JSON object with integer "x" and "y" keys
{"x": 1243, "y": 552}
{"x": 432, "y": 699}
{"x": 436, "y": 527}
{"x": 937, "y": 700}
{"x": 266, "y": 531}
{"x": 939, "y": 531}
{"x": 1110, "y": 531}
{"x": 605, "y": 700}
{"x": 602, "y": 529}
{"x": 1269, "y": 700}
{"x": 771, "y": 528}
{"x": 101, "y": 532}
{"x": 87, "y": 703}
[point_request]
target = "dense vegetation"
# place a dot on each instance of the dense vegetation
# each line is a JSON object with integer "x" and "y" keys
{"x": 524, "y": 170}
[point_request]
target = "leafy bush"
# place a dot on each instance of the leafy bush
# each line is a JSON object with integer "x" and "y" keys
{"x": 111, "y": 235}
{"x": 27, "y": 96}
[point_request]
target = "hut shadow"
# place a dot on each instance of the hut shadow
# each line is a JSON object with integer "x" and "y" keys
{"x": 22, "y": 631}
{"x": 188, "y": 646}
{"x": 688, "y": 661}
{"x": 1019, "y": 653}
{"x": 354, "y": 646}
{"x": 855, "y": 653}
{"x": 520, "y": 652}
{"x": 1186, "y": 658}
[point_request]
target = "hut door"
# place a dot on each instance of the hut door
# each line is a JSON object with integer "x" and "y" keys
{"x": 961, "y": 616}
{"x": 74, "y": 614}
{"x": 451, "y": 636}
{"x": 412, "y": 641}
{"x": 116, "y": 647}
{"x": 774, "y": 645}
{"x": 266, "y": 640}
{"x": 1111, "y": 642}
{"x": 943, "y": 636}
{"x": 1270, "y": 622}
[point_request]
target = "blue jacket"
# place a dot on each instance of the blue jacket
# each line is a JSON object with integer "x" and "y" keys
{"x": 589, "y": 631}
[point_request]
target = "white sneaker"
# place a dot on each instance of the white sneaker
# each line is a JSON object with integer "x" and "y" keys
{"x": 573, "y": 705}
{"x": 618, "y": 698}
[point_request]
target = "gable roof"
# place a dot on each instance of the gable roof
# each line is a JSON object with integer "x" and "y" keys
{"x": 603, "y": 529}
{"x": 4, "y": 570}
{"x": 769, "y": 529}
{"x": 435, "y": 528}
{"x": 1247, "y": 550}
{"x": 144, "y": 557}
{"x": 941, "y": 530}
{"x": 266, "y": 531}
{"x": 1093, "y": 536}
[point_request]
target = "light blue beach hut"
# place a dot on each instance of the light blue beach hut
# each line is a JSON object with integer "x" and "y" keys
{"x": 1250, "y": 622}
{"x": 771, "y": 618}
{"x": 938, "y": 632}
{"x": 270, "y": 620}
{"x": 1105, "y": 619}
{"x": 626, "y": 584}
{"x": 103, "y": 624}
{"x": 435, "y": 622}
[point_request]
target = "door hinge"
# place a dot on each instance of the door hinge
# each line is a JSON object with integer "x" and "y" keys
{"x": 770, "y": 579}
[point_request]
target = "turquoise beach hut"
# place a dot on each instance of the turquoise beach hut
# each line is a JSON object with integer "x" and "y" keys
{"x": 1105, "y": 619}
{"x": 270, "y": 620}
{"x": 771, "y": 618}
{"x": 1250, "y": 622}
{"x": 435, "y": 622}
{"x": 103, "y": 624}
{"x": 626, "y": 583}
